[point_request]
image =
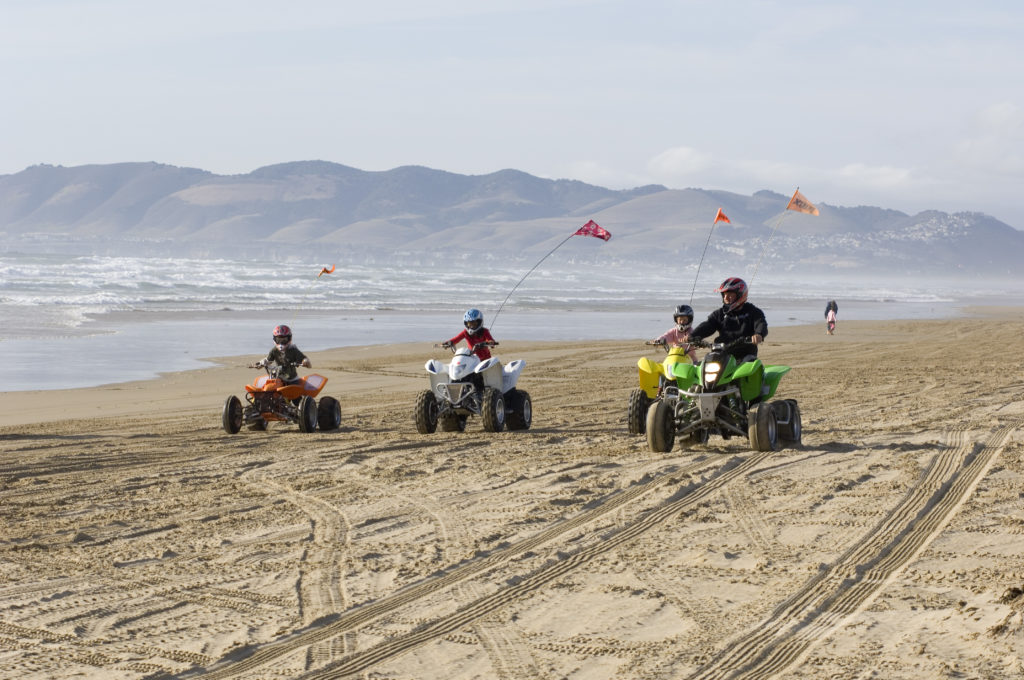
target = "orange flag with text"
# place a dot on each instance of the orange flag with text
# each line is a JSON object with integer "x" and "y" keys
{"x": 800, "y": 203}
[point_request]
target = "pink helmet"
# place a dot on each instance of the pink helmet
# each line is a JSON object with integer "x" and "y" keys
{"x": 282, "y": 334}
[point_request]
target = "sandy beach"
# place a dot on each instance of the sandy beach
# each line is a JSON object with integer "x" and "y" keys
{"x": 142, "y": 541}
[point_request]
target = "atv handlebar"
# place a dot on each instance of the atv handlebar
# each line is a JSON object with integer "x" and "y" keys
{"x": 267, "y": 366}
{"x": 704, "y": 344}
{"x": 448, "y": 345}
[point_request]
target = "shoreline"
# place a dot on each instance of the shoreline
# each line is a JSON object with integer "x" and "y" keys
{"x": 133, "y": 346}
{"x": 195, "y": 390}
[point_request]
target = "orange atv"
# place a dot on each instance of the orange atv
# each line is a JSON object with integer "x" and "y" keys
{"x": 270, "y": 397}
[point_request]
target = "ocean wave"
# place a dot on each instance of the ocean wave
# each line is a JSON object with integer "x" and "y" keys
{"x": 74, "y": 289}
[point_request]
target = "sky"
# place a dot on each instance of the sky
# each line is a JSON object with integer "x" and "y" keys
{"x": 908, "y": 105}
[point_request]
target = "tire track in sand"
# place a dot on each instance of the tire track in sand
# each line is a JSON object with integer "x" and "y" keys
{"x": 840, "y": 592}
{"x": 237, "y": 664}
{"x": 321, "y": 588}
{"x": 362, "y": 661}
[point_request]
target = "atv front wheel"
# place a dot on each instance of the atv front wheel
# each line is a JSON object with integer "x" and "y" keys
{"x": 328, "y": 414}
{"x": 762, "y": 428}
{"x": 307, "y": 414}
{"x": 425, "y": 412}
{"x": 787, "y": 415}
{"x": 636, "y": 415}
{"x": 520, "y": 410}
{"x": 661, "y": 426}
{"x": 493, "y": 410}
{"x": 231, "y": 417}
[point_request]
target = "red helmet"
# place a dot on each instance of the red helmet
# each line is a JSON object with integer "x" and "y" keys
{"x": 282, "y": 334}
{"x": 734, "y": 285}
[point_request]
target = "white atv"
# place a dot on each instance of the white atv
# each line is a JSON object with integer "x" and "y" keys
{"x": 468, "y": 386}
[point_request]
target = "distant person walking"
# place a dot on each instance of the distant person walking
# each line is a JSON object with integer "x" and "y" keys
{"x": 831, "y": 309}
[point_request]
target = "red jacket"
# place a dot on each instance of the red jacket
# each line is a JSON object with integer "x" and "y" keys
{"x": 482, "y": 335}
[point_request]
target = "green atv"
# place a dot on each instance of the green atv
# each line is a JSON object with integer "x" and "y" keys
{"x": 723, "y": 397}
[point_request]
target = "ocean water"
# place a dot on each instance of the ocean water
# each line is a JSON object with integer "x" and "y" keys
{"x": 81, "y": 321}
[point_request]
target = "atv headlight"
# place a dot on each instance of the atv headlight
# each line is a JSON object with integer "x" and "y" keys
{"x": 711, "y": 371}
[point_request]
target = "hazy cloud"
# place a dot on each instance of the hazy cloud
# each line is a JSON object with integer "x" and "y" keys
{"x": 997, "y": 142}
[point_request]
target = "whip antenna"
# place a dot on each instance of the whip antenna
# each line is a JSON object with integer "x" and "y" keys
{"x": 719, "y": 217}
{"x": 591, "y": 228}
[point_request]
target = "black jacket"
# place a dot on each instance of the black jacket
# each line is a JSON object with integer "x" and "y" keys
{"x": 291, "y": 354}
{"x": 833, "y": 306}
{"x": 744, "y": 322}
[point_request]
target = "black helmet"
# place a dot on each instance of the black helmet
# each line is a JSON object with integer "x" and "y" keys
{"x": 683, "y": 310}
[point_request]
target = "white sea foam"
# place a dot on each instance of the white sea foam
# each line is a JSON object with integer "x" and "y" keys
{"x": 60, "y": 312}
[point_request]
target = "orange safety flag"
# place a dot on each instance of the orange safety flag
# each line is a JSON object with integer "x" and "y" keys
{"x": 325, "y": 270}
{"x": 592, "y": 228}
{"x": 720, "y": 217}
{"x": 800, "y": 203}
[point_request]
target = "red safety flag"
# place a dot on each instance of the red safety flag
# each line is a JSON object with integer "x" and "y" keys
{"x": 720, "y": 217}
{"x": 592, "y": 228}
{"x": 800, "y": 203}
{"x": 325, "y": 270}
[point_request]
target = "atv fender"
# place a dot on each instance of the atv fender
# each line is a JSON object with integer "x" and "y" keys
{"x": 772, "y": 376}
{"x": 312, "y": 384}
{"x": 750, "y": 376}
{"x": 650, "y": 374}
{"x": 435, "y": 367}
{"x": 510, "y": 374}
{"x": 687, "y": 375}
{"x": 491, "y": 371}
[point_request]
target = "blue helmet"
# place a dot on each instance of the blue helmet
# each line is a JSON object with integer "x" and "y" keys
{"x": 473, "y": 320}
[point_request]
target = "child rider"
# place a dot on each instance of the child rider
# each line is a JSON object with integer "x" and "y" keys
{"x": 284, "y": 354}
{"x": 475, "y": 335}
{"x": 680, "y": 333}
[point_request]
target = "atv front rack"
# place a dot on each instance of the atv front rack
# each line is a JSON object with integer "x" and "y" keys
{"x": 455, "y": 392}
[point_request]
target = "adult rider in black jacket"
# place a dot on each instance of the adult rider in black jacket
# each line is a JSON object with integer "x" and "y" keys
{"x": 735, "y": 319}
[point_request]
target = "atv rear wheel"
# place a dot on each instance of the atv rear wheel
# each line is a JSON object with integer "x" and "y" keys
{"x": 787, "y": 412}
{"x": 307, "y": 414}
{"x": 762, "y": 428}
{"x": 425, "y": 412}
{"x": 661, "y": 426}
{"x": 231, "y": 417}
{"x": 636, "y": 415}
{"x": 520, "y": 409}
{"x": 452, "y": 422}
{"x": 328, "y": 414}
{"x": 493, "y": 410}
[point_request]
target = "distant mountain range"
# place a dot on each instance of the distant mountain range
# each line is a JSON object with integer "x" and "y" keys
{"x": 416, "y": 212}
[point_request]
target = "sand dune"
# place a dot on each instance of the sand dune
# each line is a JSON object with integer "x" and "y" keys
{"x": 140, "y": 540}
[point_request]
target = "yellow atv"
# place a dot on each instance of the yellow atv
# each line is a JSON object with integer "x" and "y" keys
{"x": 653, "y": 377}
